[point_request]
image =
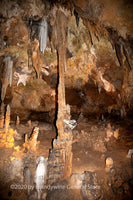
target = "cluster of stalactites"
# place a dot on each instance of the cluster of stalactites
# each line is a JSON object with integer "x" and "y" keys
{"x": 123, "y": 47}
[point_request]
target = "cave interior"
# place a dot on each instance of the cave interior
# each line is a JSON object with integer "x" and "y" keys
{"x": 66, "y": 99}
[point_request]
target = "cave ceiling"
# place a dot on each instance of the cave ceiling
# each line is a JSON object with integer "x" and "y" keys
{"x": 113, "y": 19}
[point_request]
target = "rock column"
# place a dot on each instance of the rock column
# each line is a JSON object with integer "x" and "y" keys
{"x": 60, "y": 158}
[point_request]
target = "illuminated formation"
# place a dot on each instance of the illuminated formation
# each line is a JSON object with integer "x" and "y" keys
{"x": 7, "y": 134}
{"x": 40, "y": 175}
{"x": 7, "y": 120}
{"x": 31, "y": 144}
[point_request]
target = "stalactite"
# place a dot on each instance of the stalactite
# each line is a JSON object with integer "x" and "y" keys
{"x": 76, "y": 17}
{"x": 96, "y": 37}
{"x": 118, "y": 53}
{"x": 87, "y": 24}
{"x": 90, "y": 37}
{"x": 43, "y": 32}
{"x": 118, "y": 42}
{"x": 7, "y": 79}
{"x": 126, "y": 56}
{"x": 62, "y": 42}
{"x": 7, "y": 119}
{"x": 99, "y": 88}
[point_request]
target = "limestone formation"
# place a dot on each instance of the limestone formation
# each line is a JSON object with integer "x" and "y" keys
{"x": 33, "y": 139}
{"x": 81, "y": 52}
{"x": 109, "y": 131}
{"x": 29, "y": 123}
{"x": 7, "y": 119}
{"x": 43, "y": 32}
{"x": 7, "y": 76}
{"x": 116, "y": 134}
{"x": 109, "y": 164}
{"x": 130, "y": 152}
{"x": 62, "y": 146}
{"x": 91, "y": 188}
{"x": 17, "y": 121}
{"x": 36, "y": 57}
{"x": 31, "y": 143}
{"x": 2, "y": 115}
{"x": 28, "y": 179}
{"x": 40, "y": 175}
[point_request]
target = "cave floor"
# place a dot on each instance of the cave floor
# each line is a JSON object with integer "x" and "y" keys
{"x": 90, "y": 149}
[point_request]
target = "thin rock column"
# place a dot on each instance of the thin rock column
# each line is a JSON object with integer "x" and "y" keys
{"x": 60, "y": 158}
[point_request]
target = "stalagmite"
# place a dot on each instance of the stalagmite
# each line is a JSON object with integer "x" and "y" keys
{"x": 2, "y": 115}
{"x": 31, "y": 144}
{"x": 7, "y": 80}
{"x": 43, "y": 32}
{"x": 17, "y": 121}
{"x": 40, "y": 175}
{"x": 7, "y": 120}
{"x": 116, "y": 133}
{"x": 33, "y": 139}
{"x": 28, "y": 179}
{"x": 29, "y": 123}
{"x": 109, "y": 164}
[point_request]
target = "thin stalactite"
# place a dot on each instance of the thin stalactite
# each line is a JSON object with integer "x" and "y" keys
{"x": 126, "y": 56}
{"x": 118, "y": 53}
{"x": 76, "y": 17}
